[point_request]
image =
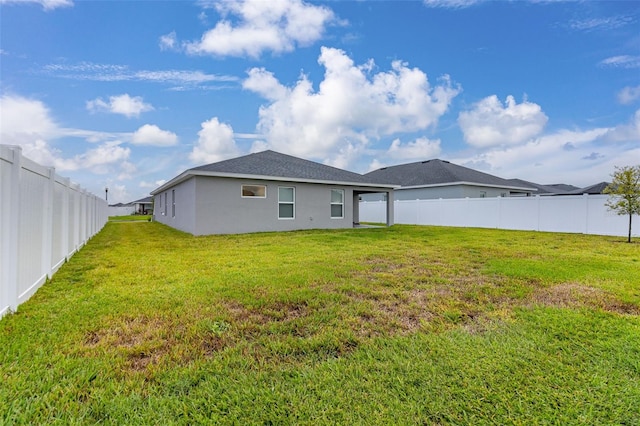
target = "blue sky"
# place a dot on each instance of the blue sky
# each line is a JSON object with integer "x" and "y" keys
{"x": 127, "y": 94}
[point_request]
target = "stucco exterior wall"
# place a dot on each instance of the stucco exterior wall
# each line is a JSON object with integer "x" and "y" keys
{"x": 185, "y": 203}
{"x": 221, "y": 209}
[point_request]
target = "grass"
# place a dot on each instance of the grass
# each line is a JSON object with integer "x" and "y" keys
{"x": 129, "y": 218}
{"x": 402, "y": 325}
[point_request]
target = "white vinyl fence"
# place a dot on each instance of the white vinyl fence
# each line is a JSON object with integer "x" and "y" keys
{"x": 121, "y": 211}
{"x": 44, "y": 219}
{"x": 585, "y": 214}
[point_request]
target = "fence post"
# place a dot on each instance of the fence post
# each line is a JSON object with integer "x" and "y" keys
{"x": 10, "y": 225}
{"x": 66, "y": 183}
{"x": 585, "y": 197}
{"x": 538, "y": 210}
{"x": 47, "y": 222}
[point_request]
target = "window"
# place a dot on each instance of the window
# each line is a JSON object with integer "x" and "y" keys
{"x": 165, "y": 203}
{"x": 337, "y": 204}
{"x": 483, "y": 194}
{"x": 286, "y": 202}
{"x": 254, "y": 191}
{"x": 173, "y": 203}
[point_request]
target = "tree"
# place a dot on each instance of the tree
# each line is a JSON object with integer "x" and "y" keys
{"x": 624, "y": 192}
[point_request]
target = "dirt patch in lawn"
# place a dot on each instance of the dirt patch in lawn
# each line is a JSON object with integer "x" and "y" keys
{"x": 572, "y": 295}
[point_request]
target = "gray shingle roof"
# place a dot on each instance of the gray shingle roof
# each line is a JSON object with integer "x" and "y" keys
{"x": 593, "y": 189}
{"x": 271, "y": 163}
{"x": 434, "y": 172}
{"x": 542, "y": 189}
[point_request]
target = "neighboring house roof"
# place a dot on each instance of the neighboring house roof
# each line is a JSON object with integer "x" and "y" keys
{"x": 593, "y": 189}
{"x": 542, "y": 189}
{"x": 439, "y": 173}
{"x": 271, "y": 165}
{"x": 562, "y": 187}
{"x": 145, "y": 200}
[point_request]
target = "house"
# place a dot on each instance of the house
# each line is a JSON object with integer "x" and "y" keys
{"x": 563, "y": 189}
{"x": 432, "y": 179}
{"x": 265, "y": 191}
{"x": 555, "y": 189}
{"x": 143, "y": 206}
{"x": 594, "y": 189}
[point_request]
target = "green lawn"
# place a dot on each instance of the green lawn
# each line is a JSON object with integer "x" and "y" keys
{"x": 129, "y": 218}
{"x": 401, "y": 325}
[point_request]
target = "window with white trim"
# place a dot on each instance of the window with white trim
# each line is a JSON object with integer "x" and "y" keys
{"x": 254, "y": 191}
{"x": 286, "y": 202}
{"x": 337, "y": 203}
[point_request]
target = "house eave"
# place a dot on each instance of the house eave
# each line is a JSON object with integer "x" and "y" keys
{"x": 192, "y": 173}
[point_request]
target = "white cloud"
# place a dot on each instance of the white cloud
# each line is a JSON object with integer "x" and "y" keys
{"x": 24, "y": 119}
{"x": 605, "y": 24}
{"x": 168, "y": 41}
{"x": 111, "y": 72}
{"x": 100, "y": 160}
{"x": 629, "y": 94}
{"x": 150, "y": 134}
{"x": 489, "y": 123}
{"x": 121, "y": 104}
{"x": 277, "y": 26}
{"x": 421, "y": 148}
{"x": 46, "y": 4}
{"x": 578, "y": 157}
{"x": 152, "y": 185}
{"x": 351, "y": 106}
{"x": 621, "y": 61}
{"x": 450, "y": 4}
{"x": 215, "y": 143}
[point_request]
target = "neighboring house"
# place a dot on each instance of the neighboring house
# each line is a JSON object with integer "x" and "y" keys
{"x": 555, "y": 189}
{"x": 265, "y": 191}
{"x": 434, "y": 179}
{"x": 144, "y": 205}
{"x": 595, "y": 189}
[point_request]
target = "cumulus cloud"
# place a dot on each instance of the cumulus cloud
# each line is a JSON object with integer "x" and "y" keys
{"x": 46, "y": 4}
{"x": 24, "y": 119}
{"x": 99, "y": 159}
{"x": 490, "y": 123}
{"x": 150, "y": 134}
{"x": 277, "y": 26}
{"x": 215, "y": 143}
{"x": 629, "y": 94}
{"x": 578, "y": 157}
{"x": 351, "y": 106}
{"x": 121, "y": 104}
{"x": 421, "y": 148}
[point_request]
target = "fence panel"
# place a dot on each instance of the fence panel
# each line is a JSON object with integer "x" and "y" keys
{"x": 586, "y": 214}
{"x": 44, "y": 219}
